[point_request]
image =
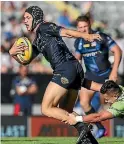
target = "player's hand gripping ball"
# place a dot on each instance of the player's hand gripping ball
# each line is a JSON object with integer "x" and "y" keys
{"x": 26, "y": 55}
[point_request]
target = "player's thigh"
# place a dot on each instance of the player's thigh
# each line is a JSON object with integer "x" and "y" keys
{"x": 86, "y": 95}
{"x": 69, "y": 100}
{"x": 53, "y": 94}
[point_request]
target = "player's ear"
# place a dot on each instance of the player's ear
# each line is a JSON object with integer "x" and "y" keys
{"x": 115, "y": 95}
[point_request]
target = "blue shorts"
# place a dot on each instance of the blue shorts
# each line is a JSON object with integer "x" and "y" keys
{"x": 99, "y": 79}
{"x": 69, "y": 75}
{"x": 89, "y": 77}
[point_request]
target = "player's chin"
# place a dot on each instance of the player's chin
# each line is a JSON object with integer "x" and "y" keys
{"x": 29, "y": 29}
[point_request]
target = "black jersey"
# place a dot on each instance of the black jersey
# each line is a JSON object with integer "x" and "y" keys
{"x": 49, "y": 42}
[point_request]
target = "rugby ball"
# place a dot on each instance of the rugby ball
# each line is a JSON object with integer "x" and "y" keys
{"x": 26, "y": 55}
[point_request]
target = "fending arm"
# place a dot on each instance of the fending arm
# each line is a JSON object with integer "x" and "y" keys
{"x": 73, "y": 33}
{"x": 96, "y": 117}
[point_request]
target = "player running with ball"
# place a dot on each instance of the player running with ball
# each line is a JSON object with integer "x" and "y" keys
{"x": 67, "y": 71}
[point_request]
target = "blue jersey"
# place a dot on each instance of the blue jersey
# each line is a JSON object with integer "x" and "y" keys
{"x": 95, "y": 54}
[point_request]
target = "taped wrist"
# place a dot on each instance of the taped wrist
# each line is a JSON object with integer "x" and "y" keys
{"x": 79, "y": 119}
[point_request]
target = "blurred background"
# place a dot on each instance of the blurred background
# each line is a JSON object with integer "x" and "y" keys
{"x": 106, "y": 17}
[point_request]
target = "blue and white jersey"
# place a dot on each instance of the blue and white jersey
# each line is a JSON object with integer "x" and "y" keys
{"x": 27, "y": 82}
{"x": 96, "y": 53}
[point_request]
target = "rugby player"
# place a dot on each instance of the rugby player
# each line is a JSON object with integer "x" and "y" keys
{"x": 68, "y": 73}
{"x": 114, "y": 96}
{"x": 98, "y": 67}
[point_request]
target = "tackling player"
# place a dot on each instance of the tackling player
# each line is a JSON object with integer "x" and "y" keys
{"x": 67, "y": 74}
{"x": 113, "y": 95}
{"x": 98, "y": 67}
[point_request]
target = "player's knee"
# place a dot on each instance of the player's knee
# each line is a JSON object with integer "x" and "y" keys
{"x": 45, "y": 110}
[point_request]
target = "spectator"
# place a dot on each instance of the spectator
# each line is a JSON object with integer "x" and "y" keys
{"x": 64, "y": 19}
{"x": 5, "y": 61}
{"x": 23, "y": 88}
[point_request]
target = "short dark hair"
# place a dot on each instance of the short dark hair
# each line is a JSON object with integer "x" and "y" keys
{"x": 83, "y": 18}
{"x": 110, "y": 86}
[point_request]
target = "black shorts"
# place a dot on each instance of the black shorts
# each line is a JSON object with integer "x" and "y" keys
{"x": 69, "y": 75}
{"x": 89, "y": 76}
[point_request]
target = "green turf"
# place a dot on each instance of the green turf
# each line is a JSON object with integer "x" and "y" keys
{"x": 56, "y": 140}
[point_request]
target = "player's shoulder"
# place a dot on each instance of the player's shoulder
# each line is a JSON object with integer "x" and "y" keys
{"x": 49, "y": 24}
{"x": 103, "y": 35}
{"x": 78, "y": 40}
{"x": 44, "y": 26}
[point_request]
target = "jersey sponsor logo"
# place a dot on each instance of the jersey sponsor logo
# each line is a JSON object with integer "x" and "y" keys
{"x": 86, "y": 45}
{"x": 64, "y": 80}
{"x": 57, "y": 74}
{"x": 91, "y": 54}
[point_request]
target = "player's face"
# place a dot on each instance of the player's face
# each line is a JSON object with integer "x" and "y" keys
{"x": 110, "y": 98}
{"x": 83, "y": 27}
{"x": 28, "y": 21}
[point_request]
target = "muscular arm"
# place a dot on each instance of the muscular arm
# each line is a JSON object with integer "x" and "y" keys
{"x": 96, "y": 117}
{"x": 91, "y": 118}
{"x": 117, "y": 58}
{"x": 72, "y": 33}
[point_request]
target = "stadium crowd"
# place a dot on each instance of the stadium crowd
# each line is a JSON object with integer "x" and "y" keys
{"x": 12, "y": 28}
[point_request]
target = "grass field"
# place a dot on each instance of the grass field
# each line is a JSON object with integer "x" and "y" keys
{"x": 56, "y": 140}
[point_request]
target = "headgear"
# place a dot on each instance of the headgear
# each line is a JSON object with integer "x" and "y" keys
{"x": 37, "y": 15}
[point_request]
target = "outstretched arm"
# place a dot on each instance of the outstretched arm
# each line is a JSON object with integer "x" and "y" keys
{"x": 73, "y": 33}
{"x": 96, "y": 117}
{"x": 117, "y": 58}
{"x": 91, "y": 118}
